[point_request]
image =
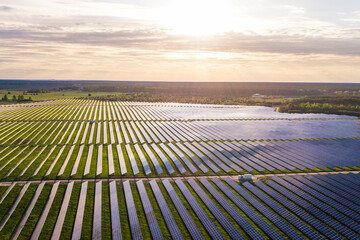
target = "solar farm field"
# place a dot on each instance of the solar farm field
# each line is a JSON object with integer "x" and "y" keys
{"x": 87, "y": 169}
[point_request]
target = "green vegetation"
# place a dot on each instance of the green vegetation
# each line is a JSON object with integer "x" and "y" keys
{"x": 341, "y": 105}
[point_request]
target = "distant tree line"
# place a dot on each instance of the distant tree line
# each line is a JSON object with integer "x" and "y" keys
{"x": 38, "y": 90}
{"x": 19, "y": 98}
{"x": 224, "y": 100}
{"x": 342, "y": 105}
{"x": 215, "y": 90}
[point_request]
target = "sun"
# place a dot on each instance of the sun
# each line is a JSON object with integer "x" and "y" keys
{"x": 198, "y": 17}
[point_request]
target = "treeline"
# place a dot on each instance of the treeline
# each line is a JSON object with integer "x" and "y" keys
{"x": 220, "y": 89}
{"x": 341, "y": 105}
{"x": 38, "y": 90}
{"x": 19, "y": 98}
{"x": 224, "y": 100}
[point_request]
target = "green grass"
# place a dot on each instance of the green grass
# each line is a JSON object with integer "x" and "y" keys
{"x": 145, "y": 230}
{"x": 54, "y": 95}
{"x": 36, "y": 212}
{"x": 86, "y": 231}
{"x": 161, "y": 222}
{"x": 66, "y": 231}
{"x": 3, "y": 189}
{"x": 9, "y": 200}
{"x": 124, "y": 221}
{"x": 50, "y": 222}
{"x": 207, "y": 211}
{"x": 193, "y": 215}
{"x": 105, "y": 212}
{"x": 15, "y": 218}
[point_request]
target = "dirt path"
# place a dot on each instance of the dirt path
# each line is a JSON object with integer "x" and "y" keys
{"x": 257, "y": 177}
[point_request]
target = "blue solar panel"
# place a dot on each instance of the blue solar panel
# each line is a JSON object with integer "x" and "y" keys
{"x": 133, "y": 219}
{"x": 149, "y": 212}
{"x": 269, "y": 230}
{"x": 312, "y": 221}
{"x": 203, "y": 217}
{"x": 185, "y": 216}
{"x": 313, "y": 209}
{"x": 168, "y": 217}
{"x": 340, "y": 200}
{"x": 283, "y": 226}
{"x": 305, "y": 229}
{"x": 334, "y": 212}
{"x": 248, "y": 228}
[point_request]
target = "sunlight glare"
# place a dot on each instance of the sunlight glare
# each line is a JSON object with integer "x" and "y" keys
{"x": 200, "y": 17}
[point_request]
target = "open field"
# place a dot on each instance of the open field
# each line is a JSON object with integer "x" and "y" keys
{"x": 53, "y": 95}
{"x": 67, "y": 163}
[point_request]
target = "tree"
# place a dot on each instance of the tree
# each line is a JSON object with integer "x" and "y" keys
{"x": 89, "y": 94}
{"x": 9, "y": 92}
{"x": 6, "y": 97}
{"x": 14, "y": 98}
{"x": 30, "y": 99}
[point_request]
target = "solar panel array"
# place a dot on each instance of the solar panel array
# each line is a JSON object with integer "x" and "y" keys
{"x": 71, "y": 138}
{"x": 294, "y": 207}
{"x": 124, "y": 170}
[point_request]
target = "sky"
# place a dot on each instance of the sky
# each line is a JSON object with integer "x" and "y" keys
{"x": 181, "y": 40}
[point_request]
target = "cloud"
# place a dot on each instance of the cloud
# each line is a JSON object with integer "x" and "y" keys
{"x": 341, "y": 42}
{"x": 6, "y": 8}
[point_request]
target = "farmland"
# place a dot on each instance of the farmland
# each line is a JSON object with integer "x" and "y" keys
{"x": 86, "y": 168}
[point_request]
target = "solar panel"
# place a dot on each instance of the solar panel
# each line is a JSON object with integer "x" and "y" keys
{"x": 110, "y": 160}
{"x": 29, "y": 209}
{"x": 131, "y": 209}
{"x": 312, "y": 221}
{"x": 173, "y": 158}
{"x": 168, "y": 217}
{"x": 313, "y": 210}
{"x": 99, "y": 160}
{"x": 269, "y": 230}
{"x": 277, "y": 221}
{"x": 132, "y": 159}
{"x": 321, "y": 196}
{"x": 164, "y": 159}
{"x": 115, "y": 217}
{"x": 153, "y": 159}
{"x": 77, "y": 160}
{"x": 191, "y": 156}
{"x": 39, "y": 225}
{"x": 203, "y": 217}
{"x": 223, "y": 220}
{"x": 61, "y": 217}
{"x": 212, "y": 157}
{"x": 13, "y": 206}
{"x": 244, "y": 223}
{"x": 62, "y": 169}
{"x": 149, "y": 212}
{"x": 96, "y": 233}
{"x": 205, "y": 159}
{"x": 142, "y": 159}
{"x": 222, "y": 156}
{"x": 185, "y": 216}
{"x": 183, "y": 158}
{"x": 305, "y": 229}
{"x": 80, "y": 212}
{"x": 121, "y": 158}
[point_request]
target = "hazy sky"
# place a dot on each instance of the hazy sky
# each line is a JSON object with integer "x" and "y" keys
{"x": 184, "y": 40}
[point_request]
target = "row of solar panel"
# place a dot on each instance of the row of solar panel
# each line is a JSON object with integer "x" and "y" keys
{"x": 71, "y": 109}
{"x": 51, "y": 161}
{"x": 287, "y": 207}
